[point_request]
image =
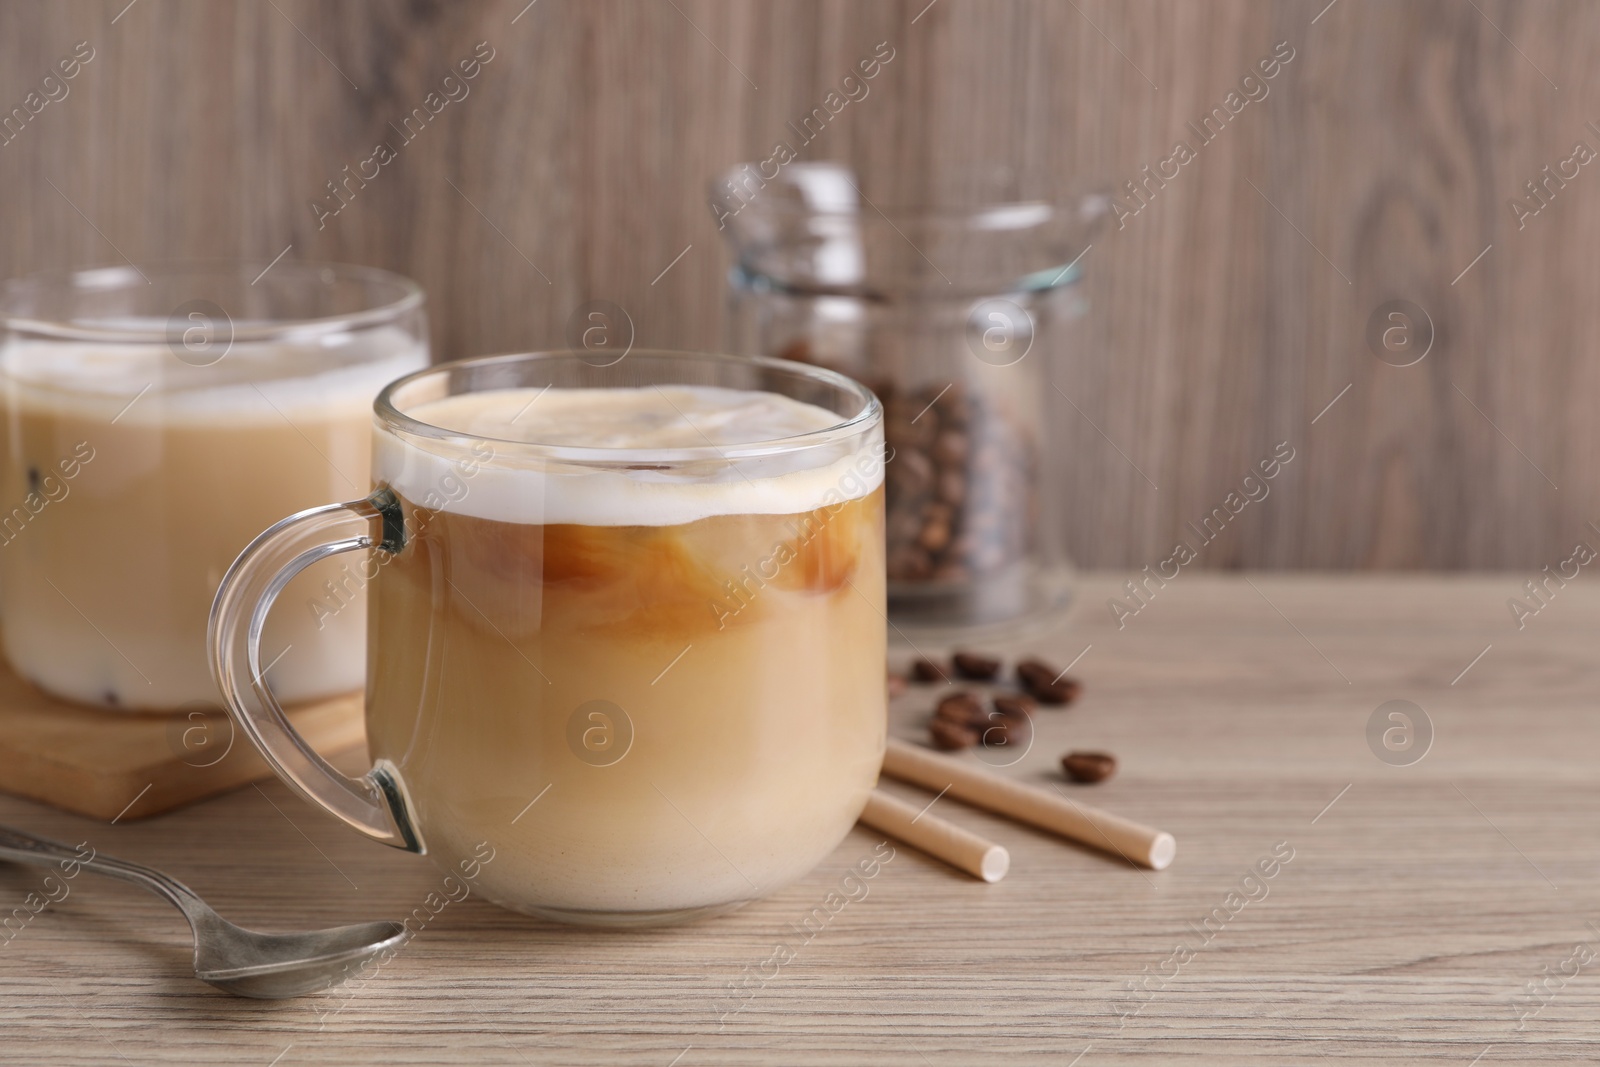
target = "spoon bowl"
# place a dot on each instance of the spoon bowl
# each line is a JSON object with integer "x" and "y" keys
{"x": 235, "y": 960}
{"x": 275, "y": 966}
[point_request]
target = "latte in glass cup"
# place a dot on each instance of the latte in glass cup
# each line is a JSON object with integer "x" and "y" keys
{"x": 626, "y": 630}
{"x": 686, "y": 670}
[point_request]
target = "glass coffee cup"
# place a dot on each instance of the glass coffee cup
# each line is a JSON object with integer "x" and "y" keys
{"x": 626, "y": 628}
{"x": 154, "y": 419}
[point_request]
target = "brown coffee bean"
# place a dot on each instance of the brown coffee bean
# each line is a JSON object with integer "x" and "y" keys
{"x": 1003, "y": 730}
{"x": 1089, "y": 767}
{"x": 1056, "y": 694}
{"x": 952, "y": 488}
{"x": 1013, "y": 706}
{"x": 975, "y": 666}
{"x": 963, "y": 708}
{"x": 798, "y": 350}
{"x": 950, "y": 448}
{"x": 927, "y": 670}
{"x": 961, "y": 496}
{"x": 1044, "y": 683}
{"x": 951, "y": 736}
{"x": 1029, "y": 671}
{"x": 934, "y": 536}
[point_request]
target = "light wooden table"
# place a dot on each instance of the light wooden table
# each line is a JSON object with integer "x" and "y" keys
{"x": 1420, "y": 900}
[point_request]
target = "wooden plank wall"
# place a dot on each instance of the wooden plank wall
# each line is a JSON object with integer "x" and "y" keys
{"x": 1226, "y": 314}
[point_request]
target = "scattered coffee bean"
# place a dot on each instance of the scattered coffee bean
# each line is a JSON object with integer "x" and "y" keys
{"x": 961, "y": 708}
{"x": 960, "y": 719}
{"x": 1089, "y": 767}
{"x": 1004, "y": 730}
{"x": 1031, "y": 669}
{"x": 975, "y": 666}
{"x": 1056, "y": 694}
{"x": 1045, "y": 684}
{"x": 1014, "y": 706}
{"x": 951, "y": 735}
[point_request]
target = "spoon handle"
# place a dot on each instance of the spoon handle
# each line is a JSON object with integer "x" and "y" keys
{"x": 20, "y": 847}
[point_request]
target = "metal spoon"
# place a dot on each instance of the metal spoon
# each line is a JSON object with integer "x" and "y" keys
{"x": 240, "y": 961}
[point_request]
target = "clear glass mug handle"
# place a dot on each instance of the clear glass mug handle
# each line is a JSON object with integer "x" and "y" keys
{"x": 375, "y": 803}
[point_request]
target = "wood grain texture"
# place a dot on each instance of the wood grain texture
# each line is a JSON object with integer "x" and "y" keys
{"x": 1227, "y": 313}
{"x": 1419, "y": 902}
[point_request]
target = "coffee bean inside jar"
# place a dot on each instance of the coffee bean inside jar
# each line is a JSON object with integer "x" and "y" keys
{"x": 960, "y": 486}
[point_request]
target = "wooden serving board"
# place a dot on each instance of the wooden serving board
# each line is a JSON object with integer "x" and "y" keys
{"x": 120, "y": 765}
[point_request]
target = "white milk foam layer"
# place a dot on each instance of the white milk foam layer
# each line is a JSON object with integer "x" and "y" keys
{"x": 251, "y": 383}
{"x": 491, "y": 482}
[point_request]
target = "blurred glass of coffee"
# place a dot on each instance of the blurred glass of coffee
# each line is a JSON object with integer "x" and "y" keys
{"x": 156, "y": 418}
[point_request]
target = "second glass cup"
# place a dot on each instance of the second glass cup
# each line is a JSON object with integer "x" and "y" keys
{"x": 626, "y": 628}
{"x": 154, "y": 419}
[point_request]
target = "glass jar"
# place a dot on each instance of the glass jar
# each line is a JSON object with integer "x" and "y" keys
{"x": 956, "y": 319}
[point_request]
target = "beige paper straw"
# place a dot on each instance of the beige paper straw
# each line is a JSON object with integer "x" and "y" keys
{"x": 1133, "y": 841}
{"x": 942, "y": 840}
